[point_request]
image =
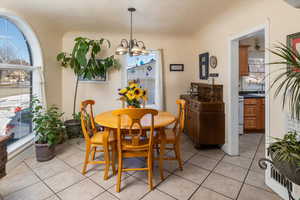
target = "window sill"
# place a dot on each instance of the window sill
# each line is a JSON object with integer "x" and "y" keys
{"x": 17, "y": 147}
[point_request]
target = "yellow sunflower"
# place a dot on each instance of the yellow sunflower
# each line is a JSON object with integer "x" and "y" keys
{"x": 123, "y": 91}
{"x": 144, "y": 96}
{"x": 130, "y": 95}
{"x": 138, "y": 92}
{"x": 133, "y": 85}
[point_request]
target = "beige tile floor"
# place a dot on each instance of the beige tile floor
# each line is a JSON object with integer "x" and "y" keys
{"x": 207, "y": 175}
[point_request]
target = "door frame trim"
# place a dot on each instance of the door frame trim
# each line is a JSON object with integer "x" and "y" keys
{"x": 232, "y": 144}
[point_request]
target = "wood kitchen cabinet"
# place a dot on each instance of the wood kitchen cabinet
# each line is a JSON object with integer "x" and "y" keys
{"x": 254, "y": 115}
{"x": 243, "y": 60}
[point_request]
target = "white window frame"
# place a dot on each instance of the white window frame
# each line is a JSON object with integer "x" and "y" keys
{"x": 159, "y": 87}
{"x": 36, "y": 68}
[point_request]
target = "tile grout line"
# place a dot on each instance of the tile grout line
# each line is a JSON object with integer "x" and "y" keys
{"x": 86, "y": 177}
{"x": 244, "y": 181}
{"x": 42, "y": 181}
{"x": 27, "y": 185}
{"x": 207, "y": 178}
{"x": 132, "y": 175}
{"x": 155, "y": 187}
{"x": 104, "y": 190}
{"x": 210, "y": 171}
{"x": 186, "y": 162}
{"x": 170, "y": 173}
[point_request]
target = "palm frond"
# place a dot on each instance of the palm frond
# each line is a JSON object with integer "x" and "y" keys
{"x": 287, "y": 82}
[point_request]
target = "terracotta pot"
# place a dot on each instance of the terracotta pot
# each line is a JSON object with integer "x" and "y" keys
{"x": 131, "y": 107}
{"x": 44, "y": 152}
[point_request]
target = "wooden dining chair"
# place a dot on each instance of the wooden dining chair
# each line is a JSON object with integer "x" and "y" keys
{"x": 95, "y": 139}
{"x": 134, "y": 143}
{"x": 172, "y": 136}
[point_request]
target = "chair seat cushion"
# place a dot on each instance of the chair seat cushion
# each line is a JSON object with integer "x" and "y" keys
{"x": 97, "y": 138}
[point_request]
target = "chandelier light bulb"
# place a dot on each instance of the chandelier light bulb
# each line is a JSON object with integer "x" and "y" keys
{"x": 121, "y": 50}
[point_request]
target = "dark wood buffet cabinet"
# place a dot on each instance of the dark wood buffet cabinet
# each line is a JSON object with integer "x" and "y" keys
{"x": 205, "y": 117}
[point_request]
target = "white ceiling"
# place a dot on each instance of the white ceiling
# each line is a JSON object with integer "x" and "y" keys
{"x": 152, "y": 16}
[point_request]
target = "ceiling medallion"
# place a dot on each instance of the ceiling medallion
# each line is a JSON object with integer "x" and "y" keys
{"x": 132, "y": 46}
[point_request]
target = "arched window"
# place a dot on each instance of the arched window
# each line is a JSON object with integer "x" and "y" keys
{"x": 14, "y": 48}
{"x": 19, "y": 81}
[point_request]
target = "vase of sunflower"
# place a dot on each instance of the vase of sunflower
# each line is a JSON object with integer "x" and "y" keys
{"x": 133, "y": 95}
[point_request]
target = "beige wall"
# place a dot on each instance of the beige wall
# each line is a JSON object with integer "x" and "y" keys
{"x": 51, "y": 44}
{"x": 214, "y": 37}
{"x": 175, "y": 50}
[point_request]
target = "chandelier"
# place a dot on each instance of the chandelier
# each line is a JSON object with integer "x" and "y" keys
{"x": 132, "y": 46}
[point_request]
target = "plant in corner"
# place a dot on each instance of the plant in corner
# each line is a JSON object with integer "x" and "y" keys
{"x": 86, "y": 65}
{"x": 285, "y": 153}
{"x": 49, "y": 129}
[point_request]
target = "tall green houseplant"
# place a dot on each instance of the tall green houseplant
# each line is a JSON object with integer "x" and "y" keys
{"x": 86, "y": 64}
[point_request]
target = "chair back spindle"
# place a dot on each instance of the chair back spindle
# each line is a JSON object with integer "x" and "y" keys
{"x": 135, "y": 136}
{"x": 179, "y": 124}
{"x": 87, "y": 119}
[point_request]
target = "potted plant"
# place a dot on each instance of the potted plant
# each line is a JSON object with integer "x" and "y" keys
{"x": 49, "y": 129}
{"x": 285, "y": 155}
{"x": 86, "y": 65}
{"x": 133, "y": 95}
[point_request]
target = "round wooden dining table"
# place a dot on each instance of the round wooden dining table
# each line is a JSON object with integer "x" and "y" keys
{"x": 108, "y": 120}
{"x": 161, "y": 121}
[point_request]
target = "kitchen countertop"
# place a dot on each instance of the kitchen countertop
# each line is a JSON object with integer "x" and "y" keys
{"x": 248, "y": 95}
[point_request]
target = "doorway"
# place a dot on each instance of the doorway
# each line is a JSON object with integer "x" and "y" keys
{"x": 239, "y": 81}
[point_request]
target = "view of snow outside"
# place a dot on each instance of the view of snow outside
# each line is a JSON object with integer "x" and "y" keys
{"x": 142, "y": 69}
{"x": 15, "y": 83}
{"x": 15, "y": 92}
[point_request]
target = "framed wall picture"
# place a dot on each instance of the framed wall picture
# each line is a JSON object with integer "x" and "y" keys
{"x": 204, "y": 65}
{"x": 176, "y": 67}
{"x": 293, "y": 41}
{"x": 97, "y": 79}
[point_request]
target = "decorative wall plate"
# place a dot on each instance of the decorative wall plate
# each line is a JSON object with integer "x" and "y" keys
{"x": 213, "y": 62}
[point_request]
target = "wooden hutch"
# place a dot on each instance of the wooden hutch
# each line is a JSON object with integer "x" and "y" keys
{"x": 205, "y": 117}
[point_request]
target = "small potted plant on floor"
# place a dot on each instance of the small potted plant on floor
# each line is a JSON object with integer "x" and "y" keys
{"x": 285, "y": 155}
{"x": 49, "y": 130}
{"x": 86, "y": 64}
